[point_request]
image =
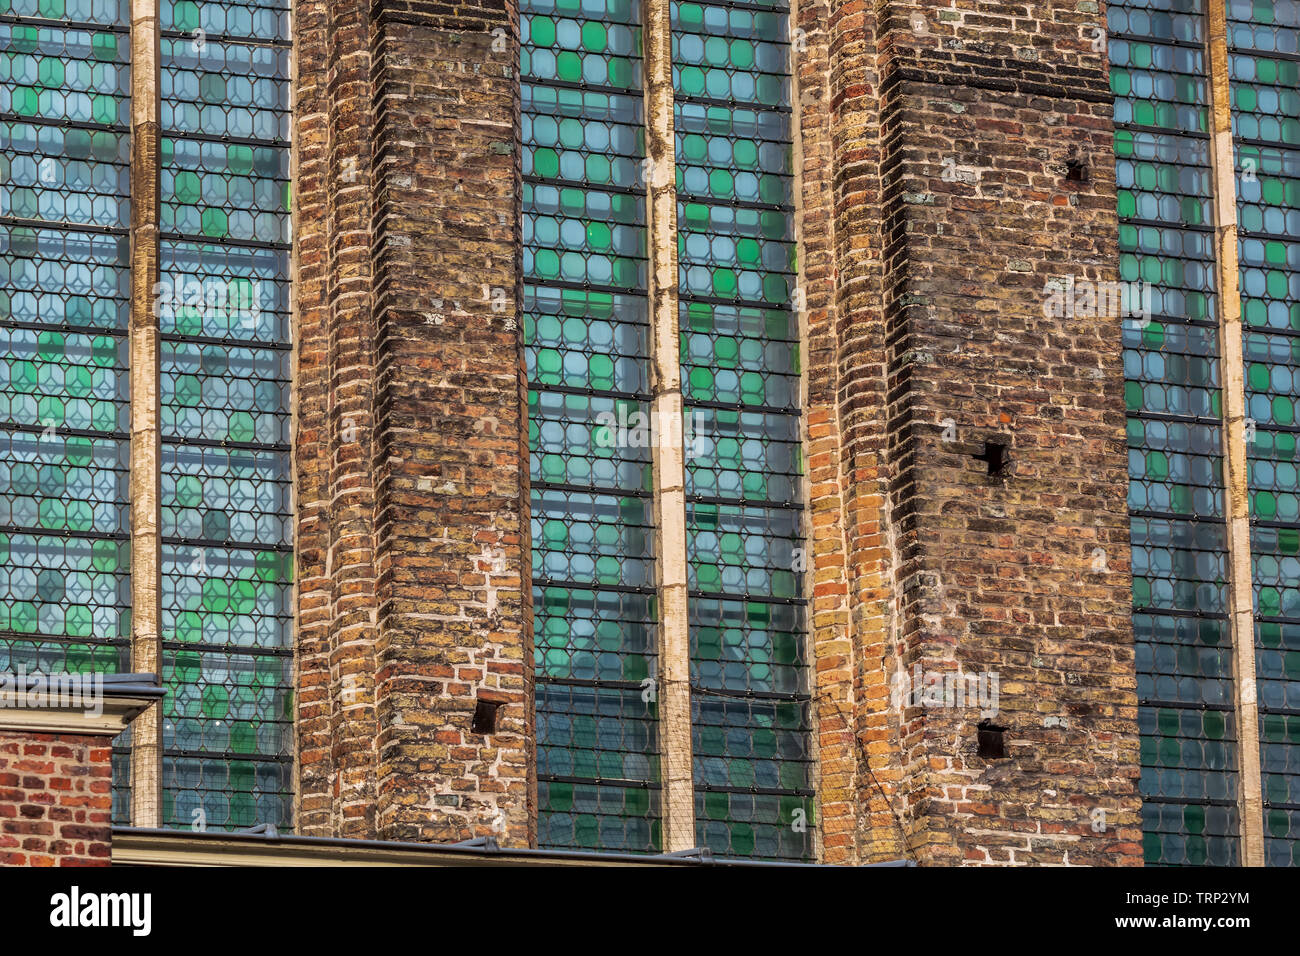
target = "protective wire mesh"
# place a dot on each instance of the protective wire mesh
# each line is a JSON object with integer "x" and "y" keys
{"x": 1184, "y": 648}
{"x": 587, "y": 343}
{"x": 64, "y": 289}
{"x": 223, "y": 309}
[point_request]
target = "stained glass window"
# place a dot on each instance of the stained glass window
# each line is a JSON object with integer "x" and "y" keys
{"x": 226, "y": 509}
{"x": 64, "y": 291}
{"x": 1176, "y": 497}
{"x": 1264, "y": 68}
{"x": 587, "y": 344}
{"x": 740, "y": 372}
{"x": 588, "y": 349}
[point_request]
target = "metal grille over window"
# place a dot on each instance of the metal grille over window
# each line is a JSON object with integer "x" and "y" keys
{"x": 1189, "y": 773}
{"x": 744, "y": 464}
{"x": 223, "y": 312}
{"x": 64, "y": 292}
{"x": 1264, "y": 64}
{"x": 587, "y": 343}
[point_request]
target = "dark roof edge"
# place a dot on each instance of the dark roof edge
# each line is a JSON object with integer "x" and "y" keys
{"x": 474, "y": 850}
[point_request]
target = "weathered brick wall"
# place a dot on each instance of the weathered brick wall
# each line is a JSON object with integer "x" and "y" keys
{"x": 56, "y": 800}
{"x": 841, "y": 275}
{"x": 412, "y": 460}
{"x": 334, "y": 388}
{"x": 933, "y": 204}
{"x": 949, "y": 202}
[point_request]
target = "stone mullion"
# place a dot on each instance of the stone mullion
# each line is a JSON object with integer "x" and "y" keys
{"x": 146, "y": 542}
{"x": 1235, "y": 466}
{"x": 674, "y": 692}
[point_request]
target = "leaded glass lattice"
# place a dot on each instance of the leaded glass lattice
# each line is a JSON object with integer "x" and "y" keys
{"x": 1176, "y": 504}
{"x": 587, "y": 343}
{"x": 1264, "y": 72}
{"x": 227, "y": 533}
{"x": 64, "y": 290}
{"x": 740, "y": 371}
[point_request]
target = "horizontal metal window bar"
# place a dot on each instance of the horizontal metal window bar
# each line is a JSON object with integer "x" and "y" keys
{"x": 238, "y": 650}
{"x": 240, "y": 243}
{"x": 1168, "y": 131}
{"x": 66, "y": 327}
{"x": 759, "y": 791}
{"x": 1176, "y": 417}
{"x": 593, "y": 392}
{"x": 784, "y": 410}
{"x": 1279, "y": 711}
{"x": 1172, "y": 227}
{"x": 599, "y": 781}
{"x": 544, "y": 582}
{"x": 1198, "y": 45}
{"x": 746, "y": 598}
{"x": 89, "y": 26}
{"x": 282, "y": 447}
{"x": 65, "y": 432}
{"x": 767, "y": 504}
{"x": 1185, "y": 705}
{"x": 735, "y": 300}
{"x": 69, "y": 533}
{"x": 228, "y": 38}
{"x": 61, "y": 226}
{"x": 583, "y": 286}
{"x": 684, "y": 197}
{"x": 232, "y": 755}
{"x": 729, "y": 103}
{"x": 1266, "y": 144}
{"x": 66, "y": 123}
{"x": 584, "y": 87}
{"x": 229, "y": 545}
{"x": 1181, "y": 612}
{"x": 1192, "y": 802}
{"x": 752, "y": 694}
{"x": 279, "y": 346}
{"x": 733, "y": 5}
{"x": 1258, "y": 55}
{"x": 23, "y": 637}
{"x": 225, "y": 138}
{"x": 592, "y": 489}
{"x": 639, "y": 192}
{"x": 1179, "y": 516}
{"x": 629, "y": 685}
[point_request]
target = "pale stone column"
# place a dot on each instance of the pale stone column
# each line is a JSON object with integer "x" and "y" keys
{"x": 146, "y": 640}
{"x": 674, "y": 691}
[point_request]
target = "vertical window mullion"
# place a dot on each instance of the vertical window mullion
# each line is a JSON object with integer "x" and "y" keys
{"x": 669, "y": 435}
{"x": 146, "y": 730}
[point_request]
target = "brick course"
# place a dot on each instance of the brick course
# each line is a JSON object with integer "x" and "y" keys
{"x": 55, "y": 799}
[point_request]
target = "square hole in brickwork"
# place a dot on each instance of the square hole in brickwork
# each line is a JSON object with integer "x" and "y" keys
{"x": 485, "y": 717}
